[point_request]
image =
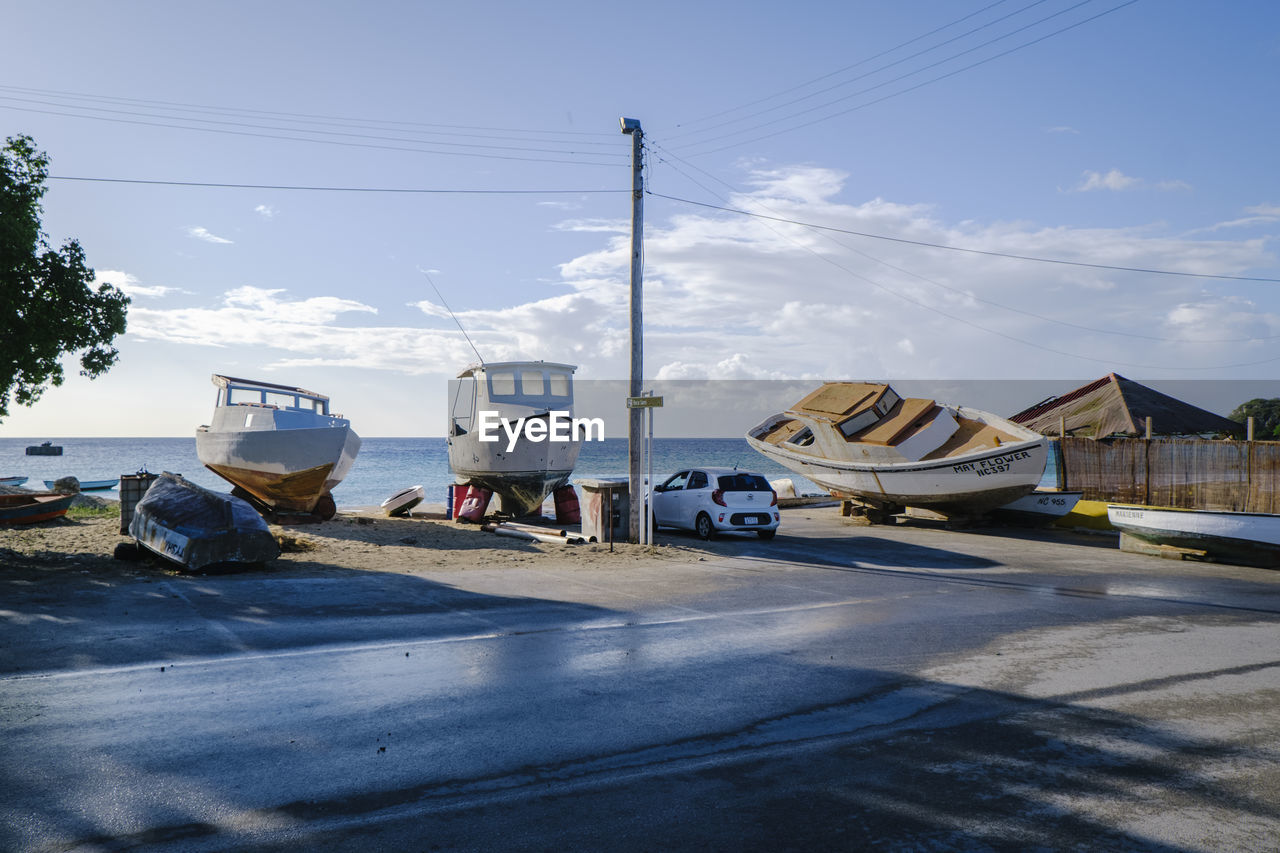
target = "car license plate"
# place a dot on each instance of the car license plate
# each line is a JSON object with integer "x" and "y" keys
{"x": 750, "y": 519}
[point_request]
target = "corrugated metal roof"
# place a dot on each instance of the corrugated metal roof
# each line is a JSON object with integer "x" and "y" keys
{"x": 1114, "y": 405}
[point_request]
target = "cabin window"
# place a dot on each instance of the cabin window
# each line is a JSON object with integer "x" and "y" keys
{"x": 283, "y": 401}
{"x": 887, "y": 401}
{"x": 859, "y": 422}
{"x": 240, "y": 396}
{"x": 532, "y": 384}
{"x": 697, "y": 480}
{"x": 502, "y": 384}
{"x": 803, "y": 438}
{"x": 559, "y": 384}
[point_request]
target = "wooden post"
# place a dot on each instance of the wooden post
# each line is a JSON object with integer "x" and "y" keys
{"x": 1248, "y": 429}
{"x": 635, "y": 417}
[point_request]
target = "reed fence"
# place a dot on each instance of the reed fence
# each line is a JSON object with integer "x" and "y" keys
{"x": 1189, "y": 473}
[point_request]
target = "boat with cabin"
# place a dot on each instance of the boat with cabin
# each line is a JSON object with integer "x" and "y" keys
{"x": 44, "y": 448}
{"x": 865, "y": 443}
{"x": 280, "y": 446}
{"x": 530, "y": 398}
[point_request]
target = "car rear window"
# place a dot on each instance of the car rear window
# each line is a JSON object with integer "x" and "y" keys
{"x": 744, "y": 483}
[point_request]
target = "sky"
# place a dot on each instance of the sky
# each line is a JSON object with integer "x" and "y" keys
{"x": 295, "y": 191}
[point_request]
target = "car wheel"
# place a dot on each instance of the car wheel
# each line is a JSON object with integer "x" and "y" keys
{"x": 704, "y": 527}
{"x": 766, "y": 534}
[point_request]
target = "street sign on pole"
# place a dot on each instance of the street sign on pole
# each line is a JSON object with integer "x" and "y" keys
{"x": 644, "y": 402}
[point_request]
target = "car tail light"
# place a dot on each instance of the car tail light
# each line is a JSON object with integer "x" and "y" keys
{"x": 773, "y": 498}
{"x": 718, "y": 497}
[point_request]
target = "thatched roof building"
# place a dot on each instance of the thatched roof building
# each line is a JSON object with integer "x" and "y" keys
{"x": 1114, "y": 405}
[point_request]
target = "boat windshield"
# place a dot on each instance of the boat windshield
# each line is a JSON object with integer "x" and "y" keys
{"x": 530, "y": 386}
{"x": 242, "y": 395}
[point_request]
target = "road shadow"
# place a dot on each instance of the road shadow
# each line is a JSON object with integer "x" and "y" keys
{"x": 903, "y": 764}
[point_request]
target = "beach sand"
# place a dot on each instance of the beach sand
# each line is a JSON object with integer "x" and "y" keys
{"x": 354, "y": 540}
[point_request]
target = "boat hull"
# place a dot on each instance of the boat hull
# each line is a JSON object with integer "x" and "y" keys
{"x": 403, "y": 501}
{"x": 288, "y": 470}
{"x": 1042, "y": 506}
{"x": 33, "y": 507}
{"x": 196, "y": 528}
{"x": 969, "y": 484}
{"x": 1244, "y": 538}
{"x": 89, "y": 485}
{"x": 522, "y": 477}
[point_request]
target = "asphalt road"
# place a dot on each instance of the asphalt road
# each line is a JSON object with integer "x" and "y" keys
{"x": 899, "y": 688}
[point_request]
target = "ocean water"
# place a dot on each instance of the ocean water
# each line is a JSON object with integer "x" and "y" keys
{"x": 384, "y": 466}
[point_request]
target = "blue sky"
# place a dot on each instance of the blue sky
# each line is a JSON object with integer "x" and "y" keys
{"x": 1121, "y": 134}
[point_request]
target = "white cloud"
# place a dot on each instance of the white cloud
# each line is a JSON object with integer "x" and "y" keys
{"x": 1117, "y": 181}
{"x": 1062, "y": 129}
{"x": 202, "y": 233}
{"x": 1113, "y": 180}
{"x": 266, "y": 211}
{"x": 130, "y": 286}
{"x": 728, "y": 296}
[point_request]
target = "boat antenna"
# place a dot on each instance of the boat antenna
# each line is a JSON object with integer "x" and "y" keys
{"x": 440, "y": 296}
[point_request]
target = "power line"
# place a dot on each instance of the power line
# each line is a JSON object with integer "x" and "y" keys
{"x": 326, "y": 188}
{"x": 1008, "y": 255}
{"x": 446, "y": 129}
{"x": 339, "y": 142}
{"x": 895, "y": 62}
{"x": 1002, "y": 54}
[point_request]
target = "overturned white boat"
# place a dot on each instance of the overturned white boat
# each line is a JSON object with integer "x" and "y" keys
{"x": 511, "y": 431}
{"x": 278, "y": 445}
{"x": 862, "y": 441}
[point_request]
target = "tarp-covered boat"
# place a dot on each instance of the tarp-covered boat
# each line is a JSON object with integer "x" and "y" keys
{"x": 279, "y": 444}
{"x": 195, "y": 527}
{"x": 861, "y": 440}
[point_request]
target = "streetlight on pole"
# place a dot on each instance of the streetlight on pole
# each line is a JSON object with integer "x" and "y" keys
{"x": 635, "y": 416}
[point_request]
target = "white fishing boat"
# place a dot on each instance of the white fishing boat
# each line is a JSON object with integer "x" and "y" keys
{"x": 278, "y": 445}
{"x": 1041, "y": 506}
{"x": 1248, "y": 538}
{"x": 862, "y": 441}
{"x": 511, "y": 431}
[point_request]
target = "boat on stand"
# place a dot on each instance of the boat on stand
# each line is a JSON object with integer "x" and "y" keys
{"x": 865, "y": 443}
{"x": 279, "y": 446}
{"x": 523, "y": 472}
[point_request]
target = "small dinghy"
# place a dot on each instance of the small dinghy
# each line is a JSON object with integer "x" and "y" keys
{"x": 195, "y": 527}
{"x": 403, "y": 501}
{"x": 33, "y": 507}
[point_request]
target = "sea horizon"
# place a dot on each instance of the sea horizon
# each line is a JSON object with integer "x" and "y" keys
{"x": 384, "y": 466}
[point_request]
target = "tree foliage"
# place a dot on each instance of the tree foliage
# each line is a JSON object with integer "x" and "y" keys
{"x": 1265, "y": 414}
{"x": 48, "y": 307}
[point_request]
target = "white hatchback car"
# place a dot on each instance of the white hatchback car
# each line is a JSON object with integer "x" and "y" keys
{"x": 708, "y": 500}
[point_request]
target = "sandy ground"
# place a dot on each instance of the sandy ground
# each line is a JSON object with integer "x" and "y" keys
{"x": 352, "y": 540}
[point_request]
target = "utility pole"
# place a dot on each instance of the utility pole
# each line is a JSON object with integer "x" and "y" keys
{"x": 635, "y": 417}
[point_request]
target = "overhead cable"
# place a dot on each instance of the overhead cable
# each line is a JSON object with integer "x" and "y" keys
{"x": 1011, "y": 256}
